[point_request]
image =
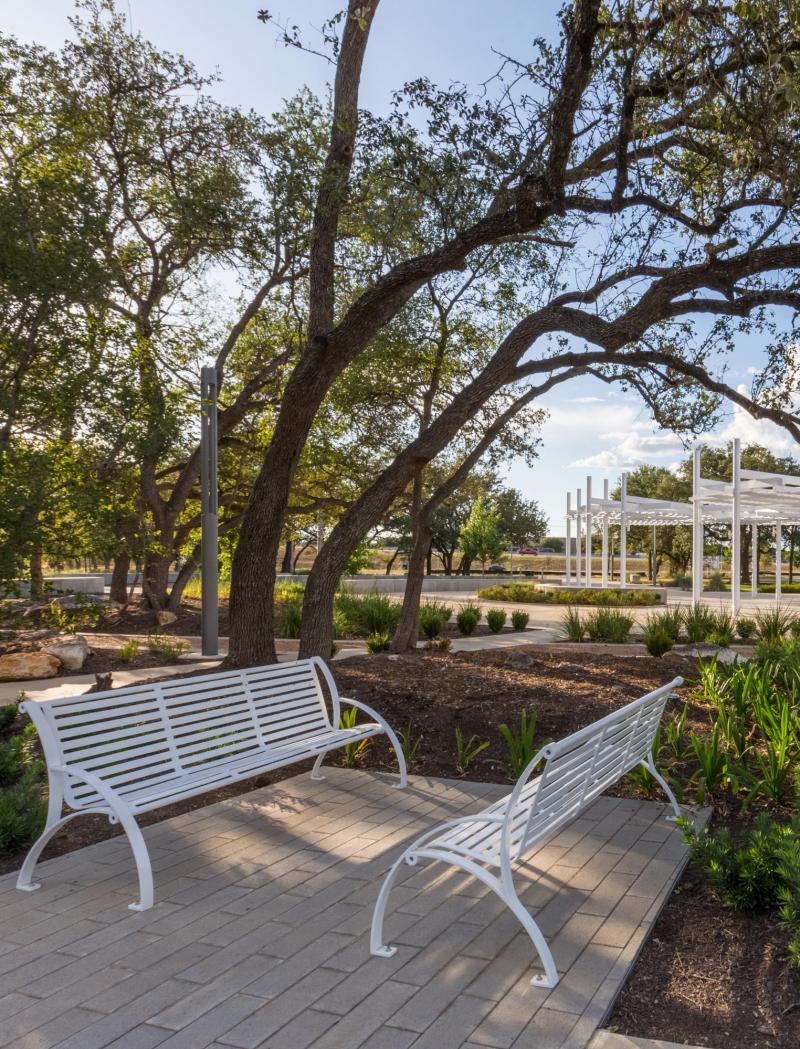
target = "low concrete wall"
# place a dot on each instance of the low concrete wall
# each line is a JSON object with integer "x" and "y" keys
{"x": 61, "y": 584}
{"x": 431, "y": 584}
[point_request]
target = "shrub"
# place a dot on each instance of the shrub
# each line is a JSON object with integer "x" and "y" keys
{"x": 467, "y": 750}
{"x": 573, "y": 625}
{"x": 366, "y": 614}
{"x": 129, "y": 651}
{"x": 22, "y": 811}
{"x": 496, "y": 619}
{"x": 8, "y": 715}
{"x": 698, "y": 622}
{"x": 682, "y": 581}
{"x": 668, "y": 622}
{"x": 378, "y": 643}
{"x": 774, "y": 624}
{"x": 519, "y": 619}
{"x": 657, "y": 641}
{"x": 745, "y": 627}
{"x": 608, "y": 624}
{"x": 758, "y": 869}
{"x": 718, "y": 639}
{"x": 520, "y": 748}
{"x": 444, "y": 610}
{"x": 724, "y": 627}
{"x": 527, "y": 593}
{"x": 467, "y": 620}
{"x": 169, "y": 648}
{"x": 431, "y": 621}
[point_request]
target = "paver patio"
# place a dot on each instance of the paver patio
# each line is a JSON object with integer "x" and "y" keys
{"x": 259, "y": 935}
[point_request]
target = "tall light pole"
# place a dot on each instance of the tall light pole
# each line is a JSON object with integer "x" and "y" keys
{"x": 209, "y": 506}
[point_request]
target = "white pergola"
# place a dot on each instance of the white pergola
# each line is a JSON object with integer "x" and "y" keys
{"x": 751, "y": 498}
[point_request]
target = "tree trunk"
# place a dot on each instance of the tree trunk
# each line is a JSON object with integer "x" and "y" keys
{"x": 119, "y": 579}
{"x": 187, "y": 572}
{"x": 155, "y": 578}
{"x": 407, "y": 629}
{"x": 36, "y": 573}
{"x": 391, "y": 561}
{"x": 288, "y": 557}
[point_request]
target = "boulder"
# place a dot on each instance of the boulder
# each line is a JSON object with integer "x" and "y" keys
{"x": 28, "y": 666}
{"x": 164, "y": 618}
{"x": 70, "y": 649}
{"x": 701, "y": 650}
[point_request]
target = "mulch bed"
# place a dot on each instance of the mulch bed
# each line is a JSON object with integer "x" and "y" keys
{"x": 707, "y": 976}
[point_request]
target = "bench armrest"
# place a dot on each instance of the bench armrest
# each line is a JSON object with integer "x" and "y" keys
{"x": 387, "y": 728}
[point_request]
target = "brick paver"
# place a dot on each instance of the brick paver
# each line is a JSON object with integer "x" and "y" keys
{"x": 259, "y": 936}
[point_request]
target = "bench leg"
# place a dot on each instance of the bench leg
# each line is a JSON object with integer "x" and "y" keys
{"x": 507, "y": 895}
{"x": 25, "y": 880}
{"x": 315, "y": 773}
{"x": 650, "y": 765}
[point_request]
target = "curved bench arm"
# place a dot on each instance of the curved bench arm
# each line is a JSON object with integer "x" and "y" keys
{"x": 387, "y": 728}
{"x": 122, "y": 814}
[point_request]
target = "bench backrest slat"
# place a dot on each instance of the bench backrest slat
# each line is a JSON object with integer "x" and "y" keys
{"x": 581, "y": 766}
{"x": 143, "y": 735}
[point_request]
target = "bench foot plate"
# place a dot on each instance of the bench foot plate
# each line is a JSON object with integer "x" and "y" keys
{"x": 542, "y": 981}
{"x": 384, "y": 952}
{"x": 30, "y": 888}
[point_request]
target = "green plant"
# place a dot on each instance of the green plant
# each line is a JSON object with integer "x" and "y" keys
{"x": 443, "y": 610}
{"x": 169, "y": 648}
{"x": 58, "y": 618}
{"x": 378, "y": 643}
{"x": 129, "y": 651}
{"x": 773, "y": 624}
{"x": 682, "y": 581}
{"x": 608, "y": 624}
{"x": 519, "y": 619}
{"x": 366, "y": 614}
{"x": 572, "y": 625}
{"x": 758, "y": 869}
{"x": 8, "y": 715}
{"x": 467, "y": 620}
{"x": 22, "y": 811}
{"x": 745, "y": 627}
{"x": 718, "y": 639}
{"x": 496, "y": 619}
{"x": 712, "y": 761}
{"x": 675, "y": 735}
{"x": 657, "y": 641}
{"x": 528, "y": 593}
{"x": 467, "y": 750}
{"x": 289, "y": 617}
{"x": 353, "y": 752}
{"x": 698, "y": 622}
{"x": 716, "y": 583}
{"x": 431, "y": 621}
{"x": 520, "y": 749}
{"x": 724, "y": 627}
{"x": 409, "y": 744}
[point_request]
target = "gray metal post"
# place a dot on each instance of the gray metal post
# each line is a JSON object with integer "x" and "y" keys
{"x": 209, "y": 545}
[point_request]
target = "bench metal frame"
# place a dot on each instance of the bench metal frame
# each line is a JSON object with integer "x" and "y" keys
{"x": 576, "y": 770}
{"x": 135, "y": 749}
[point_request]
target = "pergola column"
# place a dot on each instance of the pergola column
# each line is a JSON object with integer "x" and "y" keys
{"x": 588, "y": 532}
{"x": 736, "y": 529}
{"x": 778, "y": 560}
{"x": 604, "y": 544}
{"x": 697, "y": 531}
{"x": 754, "y": 565}
{"x": 578, "y": 575}
{"x": 568, "y": 543}
{"x": 623, "y": 533}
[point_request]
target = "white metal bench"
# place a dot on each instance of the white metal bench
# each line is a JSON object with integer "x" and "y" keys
{"x": 576, "y": 769}
{"x": 131, "y": 750}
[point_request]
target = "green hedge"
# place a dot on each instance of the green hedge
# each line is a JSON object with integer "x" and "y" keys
{"x": 527, "y": 593}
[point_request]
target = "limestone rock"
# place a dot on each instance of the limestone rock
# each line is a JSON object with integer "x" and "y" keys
{"x": 70, "y": 649}
{"x": 164, "y": 618}
{"x": 28, "y": 666}
{"x": 702, "y": 650}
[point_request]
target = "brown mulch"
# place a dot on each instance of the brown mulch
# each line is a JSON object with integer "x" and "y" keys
{"x": 707, "y": 976}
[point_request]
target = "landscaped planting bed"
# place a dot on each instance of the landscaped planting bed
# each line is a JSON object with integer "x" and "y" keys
{"x": 528, "y": 593}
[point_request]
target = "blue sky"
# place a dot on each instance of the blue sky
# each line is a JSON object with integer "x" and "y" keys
{"x": 590, "y": 429}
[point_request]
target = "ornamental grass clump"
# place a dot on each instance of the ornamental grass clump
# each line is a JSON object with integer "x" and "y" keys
{"x": 572, "y": 625}
{"x": 608, "y": 624}
{"x": 698, "y": 622}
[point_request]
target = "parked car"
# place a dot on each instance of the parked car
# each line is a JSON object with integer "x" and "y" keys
{"x": 495, "y": 570}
